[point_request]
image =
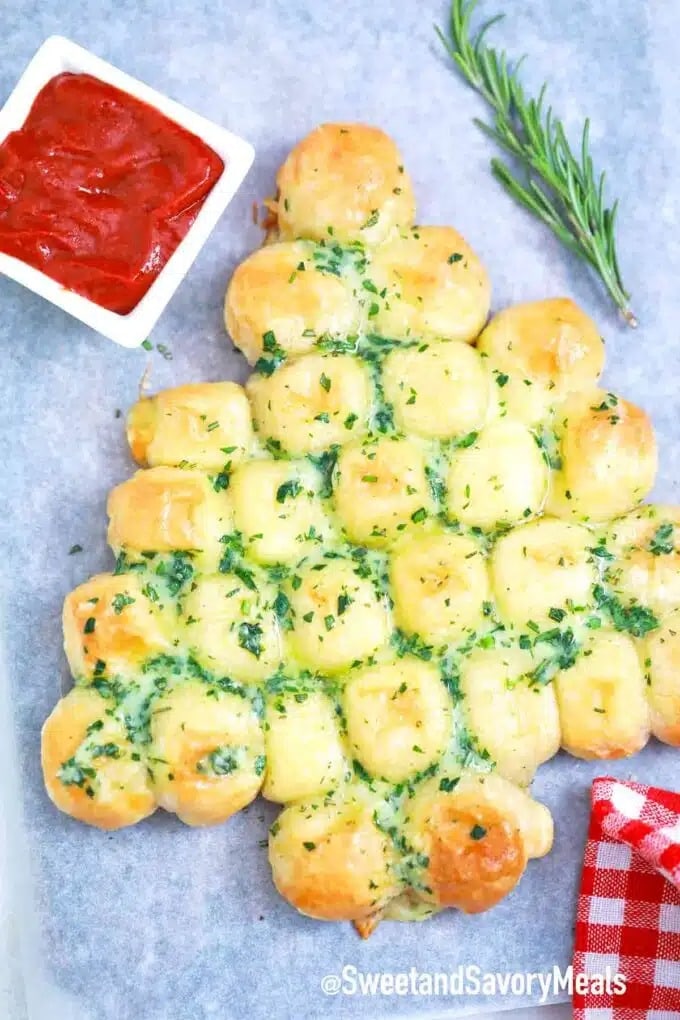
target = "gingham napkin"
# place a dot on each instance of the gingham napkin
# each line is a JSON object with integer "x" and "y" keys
{"x": 628, "y": 919}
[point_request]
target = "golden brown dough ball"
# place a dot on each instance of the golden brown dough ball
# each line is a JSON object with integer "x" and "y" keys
{"x": 381, "y": 490}
{"x": 344, "y": 181}
{"x": 282, "y": 290}
{"x": 477, "y": 838}
{"x": 544, "y": 565}
{"x": 646, "y": 549}
{"x": 601, "y": 699}
{"x": 305, "y": 752}
{"x": 398, "y": 717}
{"x": 330, "y": 860}
{"x": 540, "y": 352}
{"x": 532, "y": 818}
{"x": 501, "y": 478}
{"x": 515, "y": 721}
{"x": 166, "y": 509}
{"x": 608, "y": 454}
{"x": 232, "y": 628}
{"x": 312, "y": 403}
{"x": 91, "y": 770}
{"x": 439, "y": 584}
{"x": 437, "y": 390}
{"x": 435, "y": 287}
{"x": 661, "y": 653}
{"x": 338, "y": 617}
{"x": 110, "y": 626}
{"x": 207, "y": 753}
{"x": 278, "y": 509}
{"x": 203, "y": 425}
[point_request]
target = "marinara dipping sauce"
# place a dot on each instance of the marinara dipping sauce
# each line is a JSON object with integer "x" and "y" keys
{"x": 97, "y": 189}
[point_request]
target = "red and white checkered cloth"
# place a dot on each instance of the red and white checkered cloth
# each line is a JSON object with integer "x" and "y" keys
{"x": 628, "y": 919}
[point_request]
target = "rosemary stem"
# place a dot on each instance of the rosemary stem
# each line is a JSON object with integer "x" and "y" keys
{"x": 556, "y": 186}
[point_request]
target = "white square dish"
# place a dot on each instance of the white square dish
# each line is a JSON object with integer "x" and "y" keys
{"x": 57, "y": 55}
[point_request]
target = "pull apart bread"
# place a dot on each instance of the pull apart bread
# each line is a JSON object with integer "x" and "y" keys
{"x": 385, "y": 581}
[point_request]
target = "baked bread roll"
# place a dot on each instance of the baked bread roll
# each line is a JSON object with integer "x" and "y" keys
{"x": 312, "y": 403}
{"x": 91, "y": 768}
{"x": 608, "y": 457}
{"x": 344, "y": 182}
{"x": 476, "y": 839}
{"x": 540, "y": 352}
{"x": 383, "y": 582}
{"x": 204, "y": 425}
{"x": 601, "y": 699}
{"x": 435, "y": 287}
{"x": 281, "y": 300}
{"x": 500, "y": 479}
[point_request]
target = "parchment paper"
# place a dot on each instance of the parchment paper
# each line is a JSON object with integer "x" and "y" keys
{"x": 161, "y": 922}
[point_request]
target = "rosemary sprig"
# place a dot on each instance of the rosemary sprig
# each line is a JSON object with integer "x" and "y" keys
{"x": 558, "y": 187}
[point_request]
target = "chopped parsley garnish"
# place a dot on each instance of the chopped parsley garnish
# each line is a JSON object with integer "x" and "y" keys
{"x": 222, "y": 480}
{"x": 548, "y": 445}
{"x": 120, "y": 601}
{"x": 108, "y": 750}
{"x": 565, "y": 650}
{"x": 176, "y": 571}
{"x": 446, "y": 785}
{"x": 360, "y": 772}
{"x": 250, "y": 638}
{"x": 230, "y": 562}
{"x": 72, "y": 773}
{"x": 384, "y": 419}
{"x": 273, "y": 355}
{"x": 634, "y": 619}
{"x": 662, "y": 541}
{"x": 465, "y": 441}
{"x": 281, "y": 607}
{"x": 611, "y": 400}
{"x": 437, "y": 485}
{"x": 325, "y": 463}
{"x": 220, "y": 762}
{"x": 288, "y": 490}
{"x": 600, "y": 551}
{"x": 273, "y": 447}
{"x": 410, "y": 644}
{"x": 372, "y": 220}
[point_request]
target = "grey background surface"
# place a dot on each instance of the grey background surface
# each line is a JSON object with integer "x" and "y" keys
{"x": 161, "y": 922}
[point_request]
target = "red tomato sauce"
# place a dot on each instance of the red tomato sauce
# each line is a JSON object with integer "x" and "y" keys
{"x": 98, "y": 189}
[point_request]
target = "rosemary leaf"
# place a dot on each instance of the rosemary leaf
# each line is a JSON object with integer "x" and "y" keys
{"x": 555, "y": 185}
